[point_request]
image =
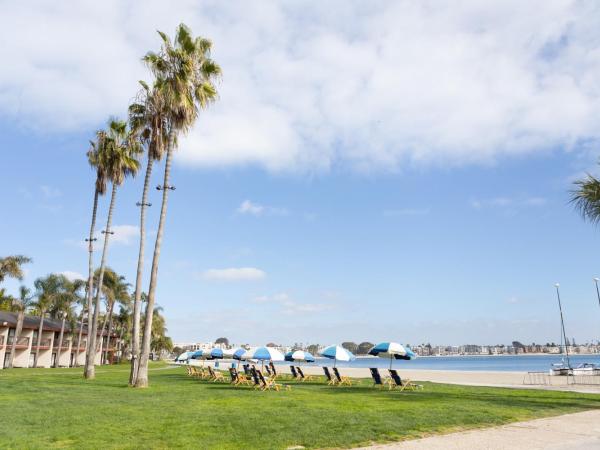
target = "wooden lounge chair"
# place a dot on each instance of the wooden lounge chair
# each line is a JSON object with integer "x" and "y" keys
{"x": 255, "y": 378}
{"x": 330, "y": 380}
{"x": 268, "y": 369}
{"x": 293, "y": 371}
{"x": 270, "y": 383}
{"x": 273, "y": 370}
{"x": 215, "y": 375}
{"x": 302, "y": 376}
{"x": 397, "y": 382}
{"x": 341, "y": 380}
{"x": 189, "y": 370}
{"x": 377, "y": 380}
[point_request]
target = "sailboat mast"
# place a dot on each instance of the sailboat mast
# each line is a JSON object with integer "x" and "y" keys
{"x": 562, "y": 324}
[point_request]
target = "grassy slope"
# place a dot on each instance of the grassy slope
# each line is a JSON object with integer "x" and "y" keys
{"x": 57, "y": 409}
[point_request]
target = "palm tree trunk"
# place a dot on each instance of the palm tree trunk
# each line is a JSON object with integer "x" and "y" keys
{"x": 90, "y": 370}
{"x": 79, "y": 337}
{"x": 39, "y": 339}
{"x": 18, "y": 330}
{"x": 100, "y": 345}
{"x": 90, "y": 286}
{"x": 142, "y": 376}
{"x": 120, "y": 344}
{"x": 60, "y": 341}
{"x": 135, "y": 338}
{"x": 110, "y": 314}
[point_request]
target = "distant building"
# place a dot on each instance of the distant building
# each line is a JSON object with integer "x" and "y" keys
{"x": 26, "y": 344}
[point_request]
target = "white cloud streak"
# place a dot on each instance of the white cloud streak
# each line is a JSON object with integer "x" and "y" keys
{"x": 256, "y": 209}
{"x": 310, "y": 86}
{"x": 72, "y": 276}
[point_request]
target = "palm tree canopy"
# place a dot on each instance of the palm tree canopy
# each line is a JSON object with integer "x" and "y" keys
{"x": 148, "y": 118}
{"x": 96, "y": 157}
{"x": 120, "y": 150}
{"x": 586, "y": 198}
{"x": 10, "y": 266}
{"x": 187, "y": 75}
{"x": 24, "y": 301}
{"x": 49, "y": 291}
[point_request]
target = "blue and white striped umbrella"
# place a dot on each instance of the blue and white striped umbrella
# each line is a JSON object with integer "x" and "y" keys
{"x": 265, "y": 354}
{"x": 337, "y": 353}
{"x": 196, "y": 354}
{"x": 229, "y": 352}
{"x": 392, "y": 350}
{"x": 241, "y": 354}
{"x": 184, "y": 356}
{"x": 213, "y": 353}
{"x": 299, "y": 355}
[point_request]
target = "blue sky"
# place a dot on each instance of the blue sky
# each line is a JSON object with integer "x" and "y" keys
{"x": 403, "y": 175}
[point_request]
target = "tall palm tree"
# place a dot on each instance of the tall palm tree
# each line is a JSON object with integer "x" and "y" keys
{"x": 148, "y": 118}
{"x": 120, "y": 161}
{"x": 187, "y": 74}
{"x": 97, "y": 160}
{"x": 586, "y": 198}
{"x": 10, "y": 266}
{"x": 20, "y": 305}
{"x": 48, "y": 291}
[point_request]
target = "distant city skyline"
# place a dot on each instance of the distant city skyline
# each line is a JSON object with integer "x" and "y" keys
{"x": 375, "y": 180}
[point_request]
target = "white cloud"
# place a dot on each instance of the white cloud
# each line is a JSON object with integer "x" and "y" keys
{"x": 247, "y": 207}
{"x": 50, "y": 192}
{"x": 234, "y": 274}
{"x": 309, "y": 86}
{"x": 289, "y": 306}
{"x": 72, "y": 276}
{"x": 255, "y": 209}
{"x": 125, "y": 234}
{"x": 508, "y": 202}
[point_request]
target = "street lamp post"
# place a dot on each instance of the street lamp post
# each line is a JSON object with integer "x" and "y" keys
{"x": 562, "y": 324}
{"x": 597, "y": 291}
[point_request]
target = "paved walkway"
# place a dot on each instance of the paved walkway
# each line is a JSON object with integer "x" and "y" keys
{"x": 569, "y": 432}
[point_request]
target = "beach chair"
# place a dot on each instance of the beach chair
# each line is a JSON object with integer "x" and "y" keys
{"x": 330, "y": 380}
{"x": 215, "y": 375}
{"x": 293, "y": 371}
{"x": 341, "y": 380}
{"x": 189, "y": 370}
{"x": 255, "y": 378}
{"x": 268, "y": 369}
{"x": 233, "y": 374}
{"x": 377, "y": 380}
{"x": 273, "y": 370}
{"x": 397, "y": 382}
{"x": 270, "y": 383}
{"x": 304, "y": 377}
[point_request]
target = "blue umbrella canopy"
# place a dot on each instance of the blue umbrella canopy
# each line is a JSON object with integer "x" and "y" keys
{"x": 337, "y": 353}
{"x": 392, "y": 350}
{"x": 196, "y": 354}
{"x": 216, "y": 353}
{"x": 241, "y": 354}
{"x": 299, "y": 355}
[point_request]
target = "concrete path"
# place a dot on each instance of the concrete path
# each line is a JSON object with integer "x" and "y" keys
{"x": 569, "y": 432}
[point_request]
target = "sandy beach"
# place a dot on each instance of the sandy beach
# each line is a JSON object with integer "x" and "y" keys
{"x": 469, "y": 378}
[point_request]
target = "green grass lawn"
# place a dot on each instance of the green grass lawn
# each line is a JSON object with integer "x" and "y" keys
{"x": 56, "y": 408}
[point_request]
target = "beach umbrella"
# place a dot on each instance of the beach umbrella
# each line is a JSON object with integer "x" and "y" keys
{"x": 214, "y": 353}
{"x": 299, "y": 355}
{"x": 241, "y": 354}
{"x": 196, "y": 355}
{"x": 337, "y": 353}
{"x": 229, "y": 352}
{"x": 184, "y": 356}
{"x": 266, "y": 354}
{"x": 392, "y": 350}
